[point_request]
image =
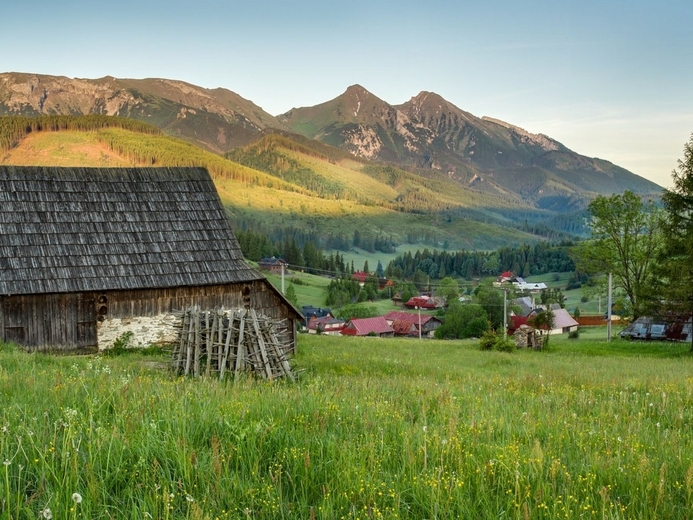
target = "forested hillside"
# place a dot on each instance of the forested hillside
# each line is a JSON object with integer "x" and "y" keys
{"x": 309, "y": 193}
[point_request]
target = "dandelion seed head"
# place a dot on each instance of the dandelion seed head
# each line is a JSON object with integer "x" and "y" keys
{"x": 76, "y": 498}
{"x": 47, "y": 513}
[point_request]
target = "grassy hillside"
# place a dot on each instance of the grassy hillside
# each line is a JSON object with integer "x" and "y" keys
{"x": 373, "y": 201}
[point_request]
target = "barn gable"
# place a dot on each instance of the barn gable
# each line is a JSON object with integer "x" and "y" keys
{"x": 115, "y": 243}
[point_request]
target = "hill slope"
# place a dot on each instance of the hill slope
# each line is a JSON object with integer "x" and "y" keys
{"x": 372, "y": 200}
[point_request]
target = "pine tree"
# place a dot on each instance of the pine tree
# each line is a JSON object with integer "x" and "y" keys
{"x": 676, "y": 260}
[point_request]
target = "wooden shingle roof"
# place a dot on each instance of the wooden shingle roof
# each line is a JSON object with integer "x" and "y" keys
{"x": 95, "y": 229}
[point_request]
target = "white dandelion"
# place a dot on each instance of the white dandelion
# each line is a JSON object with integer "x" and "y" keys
{"x": 76, "y": 498}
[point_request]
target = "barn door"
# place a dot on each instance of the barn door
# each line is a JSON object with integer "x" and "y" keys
{"x": 14, "y": 330}
{"x": 86, "y": 320}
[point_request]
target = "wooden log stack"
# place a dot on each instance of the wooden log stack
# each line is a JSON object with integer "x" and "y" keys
{"x": 220, "y": 343}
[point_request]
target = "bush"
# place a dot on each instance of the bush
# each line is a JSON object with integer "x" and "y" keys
{"x": 476, "y": 328}
{"x": 121, "y": 344}
{"x": 505, "y": 345}
{"x": 584, "y": 299}
{"x": 488, "y": 340}
{"x": 493, "y": 341}
{"x": 574, "y": 334}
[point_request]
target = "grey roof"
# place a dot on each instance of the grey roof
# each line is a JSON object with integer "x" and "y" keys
{"x": 96, "y": 229}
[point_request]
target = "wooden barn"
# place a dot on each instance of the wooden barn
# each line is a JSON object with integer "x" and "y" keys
{"x": 87, "y": 254}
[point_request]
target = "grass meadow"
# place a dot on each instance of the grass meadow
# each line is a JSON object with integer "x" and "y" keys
{"x": 373, "y": 428}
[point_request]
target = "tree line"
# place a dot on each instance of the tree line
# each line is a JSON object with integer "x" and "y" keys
{"x": 524, "y": 260}
{"x": 15, "y": 128}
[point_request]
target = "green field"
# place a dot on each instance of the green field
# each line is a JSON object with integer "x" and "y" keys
{"x": 372, "y": 429}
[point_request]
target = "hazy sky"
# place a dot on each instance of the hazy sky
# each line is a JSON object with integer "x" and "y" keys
{"x": 609, "y": 79}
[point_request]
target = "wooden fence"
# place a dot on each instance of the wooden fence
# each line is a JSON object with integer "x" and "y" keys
{"x": 221, "y": 342}
{"x": 595, "y": 319}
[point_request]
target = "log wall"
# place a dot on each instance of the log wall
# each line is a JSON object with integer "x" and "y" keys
{"x": 78, "y": 320}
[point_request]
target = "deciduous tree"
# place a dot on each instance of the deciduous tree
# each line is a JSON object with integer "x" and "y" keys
{"x": 626, "y": 238}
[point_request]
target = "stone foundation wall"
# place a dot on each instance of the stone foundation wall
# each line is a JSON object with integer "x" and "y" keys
{"x": 154, "y": 330}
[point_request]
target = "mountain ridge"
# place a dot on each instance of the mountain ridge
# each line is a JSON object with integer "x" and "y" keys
{"x": 426, "y": 135}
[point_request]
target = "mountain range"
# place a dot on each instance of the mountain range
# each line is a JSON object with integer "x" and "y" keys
{"x": 430, "y": 168}
{"x": 427, "y": 135}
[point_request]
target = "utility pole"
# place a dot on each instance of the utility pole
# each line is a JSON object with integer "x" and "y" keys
{"x": 608, "y": 313}
{"x": 505, "y": 315}
{"x": 283, "y": 292}
{"x": 419, "y": 321}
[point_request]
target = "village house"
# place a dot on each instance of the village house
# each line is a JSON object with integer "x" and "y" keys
{"x": 563, "y": 322}
{"x": 425, "y": 302}
{"x": 377, "y": 326}
{"x": 273, "y": 265}
{"x": 508, "y": 278}
{"x": 360, "y": 277}
{"x": 325, "y": 325}
{"x": 88, "y": 254}
{"x": 407, "y": 323}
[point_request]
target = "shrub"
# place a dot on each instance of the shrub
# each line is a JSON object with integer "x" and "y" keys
{"x": 493, "y": 341}
{"x": 488, "y": 340}
{"x": 574, "y": 334}
{"x": 504, "y": 345}
{"x": 584, "y": 299}
{"x": 121, "y": 344}
{"x": 476, "y": 327}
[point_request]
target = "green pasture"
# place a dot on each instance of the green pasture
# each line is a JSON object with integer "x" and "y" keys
{"x": 372, "y": 428}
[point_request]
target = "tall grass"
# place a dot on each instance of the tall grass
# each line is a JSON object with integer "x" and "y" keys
{"x": 373, "y": 429}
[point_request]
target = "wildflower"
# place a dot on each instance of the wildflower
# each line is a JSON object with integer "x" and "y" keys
{"x": 425, "y": 428}
{"x": 47, "y": 513}
{"x": 76, "y": 498}
{"x": 7, "y": 462}
{"x": 189, "y": 498}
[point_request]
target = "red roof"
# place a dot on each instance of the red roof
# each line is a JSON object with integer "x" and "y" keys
{"x": 404, "y": 328}
{"x": 360, "y": 276}
{"x": 516, "y": 322}
{"x": 424, "y": 302}
{"x": 325, "y": 323}
{"x": 366, "y": 326}
{"x": 410, "y": 317}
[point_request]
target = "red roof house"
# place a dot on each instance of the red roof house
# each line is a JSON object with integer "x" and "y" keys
{"x": 325, "y": 325}
{"x": 425, "y": 302}
{"x": 368, "y": 327}
{"x": 428, "y": 323}
{"x": 360, "y": 277}
{"x": 404, "y": 328}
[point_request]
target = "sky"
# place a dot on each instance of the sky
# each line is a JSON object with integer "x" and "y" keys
{"x": 608, "y": 79}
